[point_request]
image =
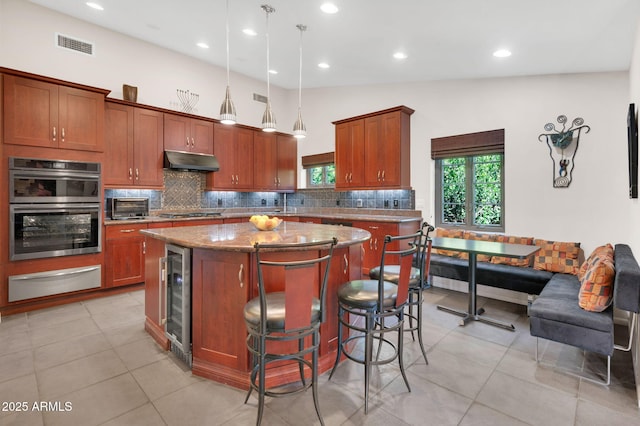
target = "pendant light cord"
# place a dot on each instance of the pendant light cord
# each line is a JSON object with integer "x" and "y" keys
{"x": 227, "y": 19}
{"x": 267, "y": 10}
{"x": 301, "y": 28}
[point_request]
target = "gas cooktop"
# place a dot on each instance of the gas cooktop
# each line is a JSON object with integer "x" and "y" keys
{"x": 190, "y": 214}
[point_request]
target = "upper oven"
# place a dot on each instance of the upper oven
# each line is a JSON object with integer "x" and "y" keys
{"x": 53, "y": 181}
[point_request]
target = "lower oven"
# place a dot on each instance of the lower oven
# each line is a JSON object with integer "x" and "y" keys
{"x": 178, "y": 300}
{"x": 49, "y": 230}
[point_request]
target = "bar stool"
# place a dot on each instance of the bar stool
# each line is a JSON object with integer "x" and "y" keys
{"x": 290, "y": 314}
{"x": 418, "y": 281}
{"x": 375, "y": 301}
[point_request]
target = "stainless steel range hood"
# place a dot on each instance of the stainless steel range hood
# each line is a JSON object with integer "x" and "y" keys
{"x": 190, "y": 161}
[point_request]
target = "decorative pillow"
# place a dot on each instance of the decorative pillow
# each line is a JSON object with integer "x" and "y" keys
{"x": 448, "y": 233}
{"x": 596, "y": 288}
{"x": 470, "y": 235}
{"x": 605, "y": 251}
{"x": 557, "y": 256}
{"x": 512, "y": 260}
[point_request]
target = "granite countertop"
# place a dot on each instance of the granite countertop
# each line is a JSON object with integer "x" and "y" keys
{"x": 366, "y": 215}
{"x": 242, "y": 236}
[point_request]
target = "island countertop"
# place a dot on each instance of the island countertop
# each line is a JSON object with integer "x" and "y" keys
{"x": 242, "y": 236}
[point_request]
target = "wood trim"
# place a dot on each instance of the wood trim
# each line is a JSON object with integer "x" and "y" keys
{"x": 53, "y": 80}
{"x": 402, "y": 108}
{"x": 318, "y": 159}
{"x": 489, "y": 142}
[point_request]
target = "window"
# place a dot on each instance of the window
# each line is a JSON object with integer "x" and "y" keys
{"x": 321, "y": 170}
{"x": 321, "y": 176}
{"x": 470, "y": 180}
{"x": 469, "y": 192}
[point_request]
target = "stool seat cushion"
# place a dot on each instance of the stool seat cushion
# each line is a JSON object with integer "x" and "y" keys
{"x": 391, "y": 273}
{"x": 275, "y": 312}
{"x": 363, "y": 294}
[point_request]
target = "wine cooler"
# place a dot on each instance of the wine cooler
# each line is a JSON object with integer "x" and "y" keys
{"x": 178, "y": 300}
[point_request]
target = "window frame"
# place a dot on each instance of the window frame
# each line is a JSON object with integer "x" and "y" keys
{"x": 325, "y": 184}
{"x": 469, "y": 199}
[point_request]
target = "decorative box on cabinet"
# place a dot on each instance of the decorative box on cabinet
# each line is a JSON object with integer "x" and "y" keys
{"x": 233, "y": 148}
{"x": 188, "y": 134}
{"x": 276, "y": 157}
{"x": 49, "y": 115}
{"x": 373, "y": 150}
{"x": 134, "y": 147}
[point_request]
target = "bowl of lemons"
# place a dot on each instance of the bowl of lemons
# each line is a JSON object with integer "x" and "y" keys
{"x": 264, "y": 222}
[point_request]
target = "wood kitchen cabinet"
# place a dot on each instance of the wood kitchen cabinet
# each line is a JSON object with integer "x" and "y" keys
{"x": 134, "y": 148}
{"x": 124, "y": 255}
{"x": 233, "y": 148}
{"x": 188, "y": 134}
{"x": 49, "y": 115}
{"x": 372, "y": 249}
{"x": 373, "y": 150}
{"x": 276, "y": 157}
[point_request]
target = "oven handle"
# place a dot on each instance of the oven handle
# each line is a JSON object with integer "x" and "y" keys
{"x": 60, "y": 174}
{"x": 58, "y": 207}
{"x": 57, "y": 274}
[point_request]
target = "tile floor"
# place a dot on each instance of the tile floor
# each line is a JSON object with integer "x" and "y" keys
{"x": 95, "y": 365}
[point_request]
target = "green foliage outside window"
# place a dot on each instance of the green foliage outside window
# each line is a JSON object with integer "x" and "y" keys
{"x": 321, "y": 176}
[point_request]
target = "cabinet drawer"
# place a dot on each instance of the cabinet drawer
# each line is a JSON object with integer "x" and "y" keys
{"x": 120, "y": 231}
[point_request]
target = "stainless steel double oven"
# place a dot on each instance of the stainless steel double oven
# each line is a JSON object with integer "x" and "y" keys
{"x": 54, "y": 208}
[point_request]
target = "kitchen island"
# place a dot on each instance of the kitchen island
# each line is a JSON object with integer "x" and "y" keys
{"x": 223, "y": 279}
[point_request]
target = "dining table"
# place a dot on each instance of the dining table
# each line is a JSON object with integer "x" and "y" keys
{"x": 474, "y": 248}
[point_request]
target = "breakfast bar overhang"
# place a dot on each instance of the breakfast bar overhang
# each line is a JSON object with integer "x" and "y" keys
{"x": 223, "y": 279}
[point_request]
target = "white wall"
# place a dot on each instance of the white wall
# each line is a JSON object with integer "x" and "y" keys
{"x": 595, "y": 209}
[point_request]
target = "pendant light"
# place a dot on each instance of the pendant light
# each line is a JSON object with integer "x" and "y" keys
{"x": 268, "y": 119}
{"x": 227, "y": 109}
{"x": 299, "y": 129}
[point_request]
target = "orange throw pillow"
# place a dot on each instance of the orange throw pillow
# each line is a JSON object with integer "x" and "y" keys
{"x": 604, "y": 251}
{"x": 555, "y": 256}
{"x": 471, "y": 235}
{"x": 449, "y": 233}
{"x": 512, "y": 260}
{"x": 596, "y": 288}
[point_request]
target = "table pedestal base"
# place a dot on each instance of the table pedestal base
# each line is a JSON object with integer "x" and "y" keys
{"x": 467, "y": 317}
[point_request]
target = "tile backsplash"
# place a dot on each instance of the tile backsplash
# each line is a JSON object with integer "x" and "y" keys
{"x": 184, "y": 190}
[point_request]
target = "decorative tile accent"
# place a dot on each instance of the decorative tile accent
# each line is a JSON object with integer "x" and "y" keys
{"x": 183, "y": 190}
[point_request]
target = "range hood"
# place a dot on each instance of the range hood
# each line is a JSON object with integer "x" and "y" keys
{"x": 190, "y": 161}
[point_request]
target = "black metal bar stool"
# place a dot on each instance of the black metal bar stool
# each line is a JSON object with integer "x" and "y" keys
{"x": 291, "y": 314}
{"x": 375, "y": 301}
{"x": 418, "y": 281}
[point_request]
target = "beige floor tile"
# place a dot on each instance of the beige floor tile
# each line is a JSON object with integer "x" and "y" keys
{"x": 473, "y": 348}
{"x": 146, "y": 415}
{"x": 15, "y": 341}
{"x": 114, "y": 304}
{"x": 619, "y": 397}
{"x": 62, "y": 331}
{"x": 163, "y": 377}
{"x": 16, "y": 364}
{"x": 110, "y": 319}
{"x": 590, "y": 413}
{"x": 23, "y": 389}
{"x": 57, "y": 315}
{"x": 75, "y": 375}
{"x": 480, "y": 415}
{"x": 68, "y": 350}
{"x": 140, "y": 353}
{"x": 127, "y": 333}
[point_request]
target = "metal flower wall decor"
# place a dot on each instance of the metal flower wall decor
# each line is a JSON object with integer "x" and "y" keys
{"x": 562, "y": 148}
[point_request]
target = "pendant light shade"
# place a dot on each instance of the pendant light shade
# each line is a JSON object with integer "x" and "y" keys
{"x": 227, "y": 109}
{"x": 299, "y": 129}
{"x": 268, "y": 118}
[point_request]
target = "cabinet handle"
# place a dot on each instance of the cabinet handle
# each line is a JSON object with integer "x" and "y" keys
{"x": 126, "y": 231}
{"x": 187, "y": 141}
{"x": 137, "y": 174}
{"x": 193, "y": 142}
{"x": 346, "y": 264}
{"x": 383, "y": 175}
{"x": 54, "y": 133}
{"x": 350, "y": 177}
{"x": 130, "y": 173}
{"x": 237, "y": 179}
{"x": 378, "y": 174}
{"x": 62, "y": 134}
{"x": 161, "y": 293}
{"x": 371, "y": 244}
{"x": 144, "y": 247}
{"x": 278, "y": 181}
{"x": 346, "y": 177}
{"x": 374, "y": 227}
{"x": 241, "y": 275}
{"x": 375, "y": 244}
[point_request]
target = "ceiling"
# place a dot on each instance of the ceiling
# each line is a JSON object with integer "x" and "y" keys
{"x": 443, "y": 39}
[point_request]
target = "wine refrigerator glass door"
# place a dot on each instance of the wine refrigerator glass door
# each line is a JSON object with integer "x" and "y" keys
{"x": 178, "y": 325}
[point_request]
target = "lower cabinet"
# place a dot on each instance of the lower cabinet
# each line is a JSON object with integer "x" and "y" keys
{"x": 125, "y": 253}
{"x": 372, "y": 249}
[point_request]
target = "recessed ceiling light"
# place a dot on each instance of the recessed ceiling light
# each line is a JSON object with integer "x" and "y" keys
{"x": 95, "y": 6}
{"x": 400, "y": 55}
{"x": 273, "y": 72}
{"x": 329, "y": 8}
{"x": 250, "y": 32}
{"x": 502, "y": 53}
{"x": 323, "y": 65}
{"x": 202, "y": 45}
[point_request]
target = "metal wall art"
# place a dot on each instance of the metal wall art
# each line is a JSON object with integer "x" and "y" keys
{"x": 563, "y": 145}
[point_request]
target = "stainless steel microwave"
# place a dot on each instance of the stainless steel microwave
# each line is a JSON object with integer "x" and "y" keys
{"x": 120, "y": 208}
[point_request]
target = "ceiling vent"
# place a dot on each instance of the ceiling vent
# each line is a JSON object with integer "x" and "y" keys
{"x": 66, "y": 42}
{"x": 260, "y": 98}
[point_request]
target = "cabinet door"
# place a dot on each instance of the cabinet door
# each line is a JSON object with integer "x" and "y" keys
{"x": 80, "y": 119}
{"x": 224, "y": 151}
{"x": 350, "y": 154}
{"x": 124, "y": 255}
{"x": 201, "y": 136}
{"x": 287, "y": 162}
{"x": 155, "y": 292}
{"x": 382, "y": 150}
{"x": 176, "y": 133}
{"x": 118, "y": 167}
{"x": 148, "y": 148}
{"x": 30, "y": 112}
{"x": 266, "y": 161}
{"x": 244, "y": 156}
{"x": 372, "y": 249}
{"x": 221, "y": 281}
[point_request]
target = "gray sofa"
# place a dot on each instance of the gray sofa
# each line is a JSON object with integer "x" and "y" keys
{"x": 555, "y": 313}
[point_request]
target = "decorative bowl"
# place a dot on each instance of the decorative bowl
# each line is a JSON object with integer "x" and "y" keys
{"x": 264, "y": 223}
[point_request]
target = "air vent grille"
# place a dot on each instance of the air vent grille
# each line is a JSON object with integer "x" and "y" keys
{"x": 260, "y": 98}
{"x": 74, "y": 44}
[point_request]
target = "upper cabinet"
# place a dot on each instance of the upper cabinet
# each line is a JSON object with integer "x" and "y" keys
{"x": 233, "y": 149}
{"x": 188, "y": 134}
{"x": 276, "y": 162}
{"x": 44, "y": 114}
{"x": 134, "y": 147}
{"x": 372, "y": 150}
